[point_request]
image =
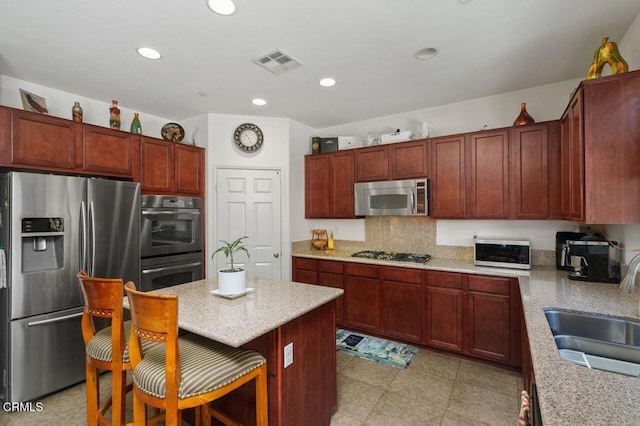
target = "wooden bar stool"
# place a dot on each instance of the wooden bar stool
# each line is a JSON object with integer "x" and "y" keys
{"x": 105, "y": 348}
{"x": 189, "y": 371}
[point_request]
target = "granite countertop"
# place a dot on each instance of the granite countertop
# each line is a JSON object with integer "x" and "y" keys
{"x": 567, "y": 393}
{"x": 238, "y": 321}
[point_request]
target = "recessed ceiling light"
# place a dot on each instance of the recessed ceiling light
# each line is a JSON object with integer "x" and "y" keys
{"x": 426, "y": 53}
{"x": 222, "y": 7}
{"x": 259, "y": 102}
{"x": 149, "y": 53}
{"x": 327, "y": 82}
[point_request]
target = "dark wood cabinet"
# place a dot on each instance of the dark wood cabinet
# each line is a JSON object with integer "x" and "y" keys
{"x": 611, "y": 125}
{"x": 189, "y": 170}
{"x": 372, "y": 164}
{"x": 448, "y": 177}
{"x": 170, "y": 168}
{"x": 107, "y": 151}
{"x": 535, "y": 151}
{"x": 409, "y": 160}
{"x": 331, "y": 274}
{"x": 474, "y": 315}
{"x": 572, "y": 160}
{"x": 304, "y": 270}
{"x": 488, "y": 179}
{"x": 341, "y": 180}
{"x": 489, "y": 318}
{"x": 329, "y": 180}
{"x": 43, "y": 141}
{"x": 600, "y": 151}
{"x": 157, "y": 170}
{"x": 443, "y": 314}
{"x": 362, "y": 297}
{"x": 401, "y": 303}
{"x": 321, "y": 272}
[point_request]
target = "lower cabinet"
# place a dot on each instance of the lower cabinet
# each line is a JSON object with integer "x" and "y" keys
{"x": 401, "y": 307}
{"x": 321, "y": 272}
{"x": 331, "y": 274}
{"x": 488, "y": 318}
{"x": 442, "y": 324}
{"x": 362, "y": 297}
{"x": 474, "y": 315}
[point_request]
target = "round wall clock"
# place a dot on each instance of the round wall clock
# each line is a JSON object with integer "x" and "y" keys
{"x": 248, "y": 137}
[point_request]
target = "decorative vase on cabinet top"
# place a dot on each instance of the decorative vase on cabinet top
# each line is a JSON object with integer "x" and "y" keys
{"x": 114, "y": 115}
{"x": 136, "y": 127}
{"x": 524, "y": 117}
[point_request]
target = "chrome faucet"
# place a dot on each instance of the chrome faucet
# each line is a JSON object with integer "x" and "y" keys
{"x": 629, "y": 280}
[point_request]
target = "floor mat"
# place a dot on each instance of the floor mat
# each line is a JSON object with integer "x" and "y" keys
{"x": 386, "y": 352}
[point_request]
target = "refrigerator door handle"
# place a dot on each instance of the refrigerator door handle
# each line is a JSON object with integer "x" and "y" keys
{"x": 92, "y": 226}
{"x": 52, "y": 320}
{"x": 83, "y": 237}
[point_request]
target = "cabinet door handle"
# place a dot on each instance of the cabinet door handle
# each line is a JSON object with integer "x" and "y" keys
{"x": 276, "y": 255}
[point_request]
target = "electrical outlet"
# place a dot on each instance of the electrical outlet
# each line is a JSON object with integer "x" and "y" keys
{"x": 288, "y": 355}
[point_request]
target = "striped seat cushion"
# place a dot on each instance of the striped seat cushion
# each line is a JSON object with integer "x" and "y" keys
{"x": 205, "y": 366}
{"x": 99, "y": 346}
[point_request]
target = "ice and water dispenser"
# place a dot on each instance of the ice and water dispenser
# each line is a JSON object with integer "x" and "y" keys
{"x": 42, "y": 244}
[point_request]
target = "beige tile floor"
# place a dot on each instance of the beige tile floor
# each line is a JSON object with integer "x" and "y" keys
{"x": 434, "y": 390}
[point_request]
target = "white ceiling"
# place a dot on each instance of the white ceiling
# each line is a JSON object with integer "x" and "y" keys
{"x": 486, "y": 47}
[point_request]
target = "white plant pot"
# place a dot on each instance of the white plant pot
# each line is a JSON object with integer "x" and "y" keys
{"x": 232, "y": 282}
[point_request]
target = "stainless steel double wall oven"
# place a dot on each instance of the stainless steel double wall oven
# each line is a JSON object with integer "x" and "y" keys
{"x": 170, "y": 241}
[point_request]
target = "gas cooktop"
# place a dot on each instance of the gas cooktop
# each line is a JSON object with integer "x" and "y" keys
{"x": 400, "y": 257}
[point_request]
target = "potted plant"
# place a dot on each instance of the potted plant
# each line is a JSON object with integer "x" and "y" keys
{"x": 232, "y": 280}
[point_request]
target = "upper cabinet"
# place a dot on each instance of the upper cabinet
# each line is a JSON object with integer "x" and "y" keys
{"x": 488, "y": 177}
{"x": 329, "y": 180}
{"x": 572, "y": 160}
{"x": 600, "y": 134}
{"x": 372, "y": 164}
{"x": 409, "y": 160}
{"x": 107, "y": 151}
{"x": 40, "y": 142}
{"x": 535, "y": 168}
{"x": 171, "y": 168}
{"x": 508, "y": 173}
{"x": 448, "y": 177}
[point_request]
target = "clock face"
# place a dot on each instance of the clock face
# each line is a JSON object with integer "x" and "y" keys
{"x": 248, "y": 137}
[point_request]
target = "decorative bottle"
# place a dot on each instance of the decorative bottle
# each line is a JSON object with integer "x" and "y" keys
{"x": 135, "y": 124}
{"x": 524, "y": 117}
{"x": 114, "y": 117}
{"x": 76, "y": 112}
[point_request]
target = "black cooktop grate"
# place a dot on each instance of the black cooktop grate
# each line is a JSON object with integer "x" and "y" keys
{"x": 399, "y": 257}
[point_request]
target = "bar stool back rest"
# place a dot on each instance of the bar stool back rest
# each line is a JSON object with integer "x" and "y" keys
{"x": 103, "y": 299}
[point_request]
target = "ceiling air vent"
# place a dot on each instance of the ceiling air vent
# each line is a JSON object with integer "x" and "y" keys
{"x": 277, "y": 62}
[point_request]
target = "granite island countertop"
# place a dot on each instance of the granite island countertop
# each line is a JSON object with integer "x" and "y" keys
{"x": 234, "y": 322}
{"x": 568, "y": 394}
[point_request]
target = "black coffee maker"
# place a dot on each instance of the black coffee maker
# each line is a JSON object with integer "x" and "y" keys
{"x": 590, "y": 257}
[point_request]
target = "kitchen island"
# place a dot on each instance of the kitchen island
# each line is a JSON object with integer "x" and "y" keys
{"x": 271, "y": 316}
{"x": 567, "y": 393}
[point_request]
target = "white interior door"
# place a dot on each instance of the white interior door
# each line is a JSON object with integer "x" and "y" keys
{"x": 249, "y": 203}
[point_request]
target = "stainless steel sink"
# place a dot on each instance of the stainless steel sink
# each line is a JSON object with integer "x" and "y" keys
{"x": 597, "y": 341}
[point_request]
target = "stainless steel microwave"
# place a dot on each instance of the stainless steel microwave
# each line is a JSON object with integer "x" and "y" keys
{"x": 392, "y": 198}
{"x": 504, "y": 253}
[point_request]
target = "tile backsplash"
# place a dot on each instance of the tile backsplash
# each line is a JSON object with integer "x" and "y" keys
{"x": 413, "y": 235}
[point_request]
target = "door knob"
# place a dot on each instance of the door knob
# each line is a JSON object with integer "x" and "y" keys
{"x": 276, "y": 255}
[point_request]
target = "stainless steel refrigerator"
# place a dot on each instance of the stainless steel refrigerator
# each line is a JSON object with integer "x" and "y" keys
{"x": 51, "y": 227}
